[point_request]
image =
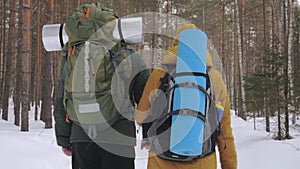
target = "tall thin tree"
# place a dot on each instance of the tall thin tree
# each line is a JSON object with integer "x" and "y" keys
{"x": 3, "y": 43}
{"x": 37, "y": 63}
{"x": 46, "y": 111}
{"x": 286, "y": 64}
{"x": 241, "y": 93}
{"x": 296, "y": 61}
{"x": 264, "y": 67}
{"x": 26, "y": 59}
{"x": 11, "y": 53}
{"x": 18, "y": 68}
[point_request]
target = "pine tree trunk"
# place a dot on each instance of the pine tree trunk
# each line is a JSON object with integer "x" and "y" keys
{"x": 167, "y": 24}
{"x": 26, "y": 58}
{"x": 11, "y": 53}
{"x": 235, "y": 60}
{"x": 54, "y": 58}
{"x": 159, "y": 33}
{"x": 3, "y": 43}
{"x": 222, "y": 33}
{"x": 66, "y": 6}
{"x": 296, "y": 62}
{"x": 34, "y": 45}
{"x": 241, "y": 93}
{"x": 33, "y": 57}
{"x": 286, "y": 64}
{"x": 46, "y": 111}
{"x": 254, "y": 120}
{"x": 37, "y": 63}
{"x": 153, "y": 60}
{"x": 17, "y": 90}
{"x": 279, "y": 135}
{"x": 264, "y": 69}
{"x": 232, "y": 73}
{"x": 267, "y": 112}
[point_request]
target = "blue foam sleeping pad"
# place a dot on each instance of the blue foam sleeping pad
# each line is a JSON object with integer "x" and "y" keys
{"x": 187, "y": 131}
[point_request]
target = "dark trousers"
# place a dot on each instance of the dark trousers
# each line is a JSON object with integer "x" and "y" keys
{"x": 93, "y": 156}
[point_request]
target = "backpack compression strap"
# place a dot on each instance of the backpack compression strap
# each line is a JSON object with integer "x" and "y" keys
{"x": 190, "y": 85}
{"x": 190, "y": 74}
{"x": 186, "y": 111}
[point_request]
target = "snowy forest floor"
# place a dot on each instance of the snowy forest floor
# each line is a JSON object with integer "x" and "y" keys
{"x": 37, "y": 149}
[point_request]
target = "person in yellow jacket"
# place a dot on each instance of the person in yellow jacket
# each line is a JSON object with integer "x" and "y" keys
{"x": 225, "y": 141}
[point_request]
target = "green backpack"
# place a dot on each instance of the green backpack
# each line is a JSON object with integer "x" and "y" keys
{"x": 97, "y": 69}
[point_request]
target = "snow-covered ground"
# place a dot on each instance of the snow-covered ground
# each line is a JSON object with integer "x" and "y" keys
{"x": 256, "y": 148}
{"x": 37, "y": 149}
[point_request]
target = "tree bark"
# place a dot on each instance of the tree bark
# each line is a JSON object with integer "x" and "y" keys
{"x": 265, "y": 68}
{"x": 222, "y": 30}
{"x": 159, "y": 35}
{"x": 279, "y": 135}
{"x": 3, "y": 43}
{"x": 235, "y": 60}
{"x": 11, "y": 53}
{"x": 26, "y": 59}
{"x": 38, "y": 63}
{"x": 296, "y": 61}
{"x": 18, "y": 90}
{"x": 241, "y": 93}
{"x": 46, "y": 111}
{"x": 286, "y": 65}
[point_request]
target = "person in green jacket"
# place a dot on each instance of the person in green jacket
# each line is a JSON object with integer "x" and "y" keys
{"x": 107, "y": 150}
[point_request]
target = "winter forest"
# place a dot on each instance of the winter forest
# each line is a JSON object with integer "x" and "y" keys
{"x": 258, "y": 42}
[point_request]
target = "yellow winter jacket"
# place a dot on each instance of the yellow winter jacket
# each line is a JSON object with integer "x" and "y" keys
{"x": 225, "y": 141}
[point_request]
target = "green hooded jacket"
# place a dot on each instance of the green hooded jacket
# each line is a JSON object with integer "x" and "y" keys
{"x": 122, "y": 132}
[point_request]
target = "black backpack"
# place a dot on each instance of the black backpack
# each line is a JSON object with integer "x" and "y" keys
{"x": 157, "y": 125}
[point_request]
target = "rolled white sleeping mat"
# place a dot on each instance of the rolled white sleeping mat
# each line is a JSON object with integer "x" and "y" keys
{"x": 131, "y": 30}
{"x": 54, "y": 36}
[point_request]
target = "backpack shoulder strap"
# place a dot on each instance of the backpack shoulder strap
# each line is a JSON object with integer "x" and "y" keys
{"x": 64, "y": 56}
{"x": 164, "y": 81}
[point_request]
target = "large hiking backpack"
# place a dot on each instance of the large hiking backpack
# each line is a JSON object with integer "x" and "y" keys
{"x": 157, "y": 126}
{"x": 97, "y": 69}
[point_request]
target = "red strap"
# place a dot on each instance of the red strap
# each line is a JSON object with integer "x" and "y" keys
{"x": 87, "y": 13}
{"x": 67, "y": 118}
{"x": 71, "y": 51}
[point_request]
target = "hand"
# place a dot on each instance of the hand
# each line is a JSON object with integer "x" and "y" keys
{"x": 145, "y": 144}
{"x": 67, "y": 151}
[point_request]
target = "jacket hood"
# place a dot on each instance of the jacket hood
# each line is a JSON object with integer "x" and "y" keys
{"x": 171, "y": 56}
